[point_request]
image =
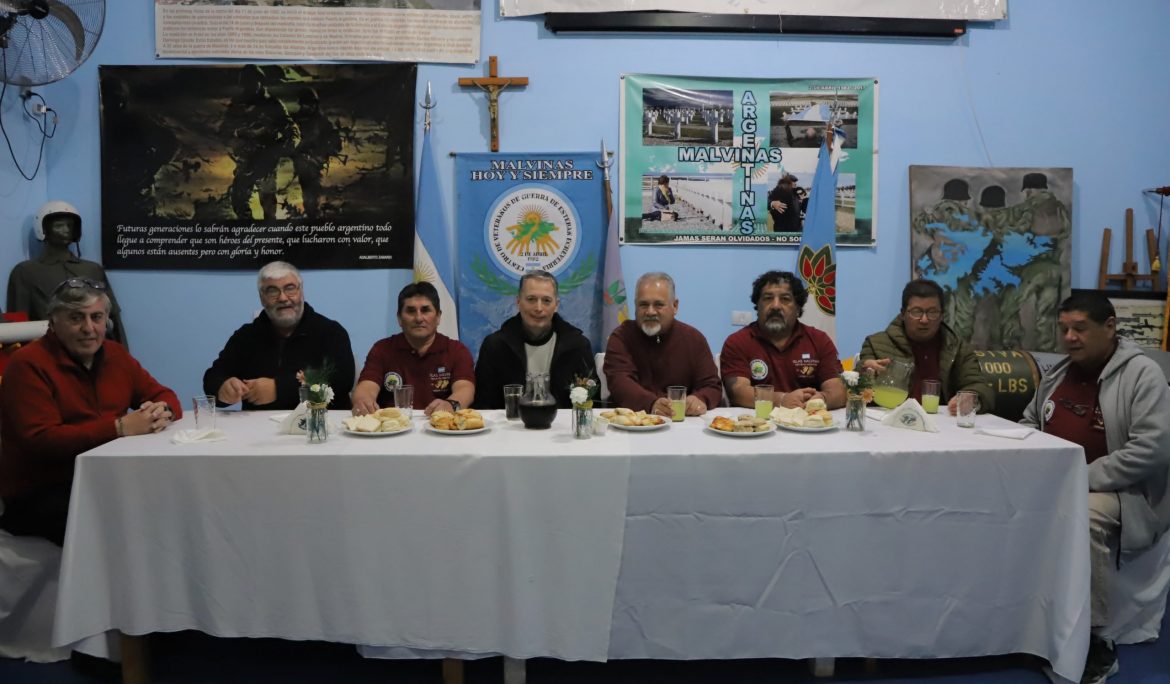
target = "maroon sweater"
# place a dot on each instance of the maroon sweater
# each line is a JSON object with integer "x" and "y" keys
{"x": 52, "y": 409}
{"x": 639, "y": 368}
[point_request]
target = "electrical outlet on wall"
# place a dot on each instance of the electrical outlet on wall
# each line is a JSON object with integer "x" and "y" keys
{"x": 742, "y": 317}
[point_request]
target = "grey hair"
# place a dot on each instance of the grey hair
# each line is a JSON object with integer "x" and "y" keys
{"x": 275, "y": 271}
{"x": 74, "y": 298}
{"x": 656, "y": 276}
{"x": 539, "y": 274}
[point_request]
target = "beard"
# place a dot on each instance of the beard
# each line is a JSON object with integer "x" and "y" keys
{"x": 285, "y": 317}
{"x": 651, "y": 328}
{"x": 775, "y": 326}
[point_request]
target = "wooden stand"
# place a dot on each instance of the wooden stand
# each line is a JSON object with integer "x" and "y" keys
{"x": 1129, "y": 276}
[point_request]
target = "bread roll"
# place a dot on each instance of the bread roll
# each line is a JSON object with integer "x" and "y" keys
{"x": 814, "y": 405}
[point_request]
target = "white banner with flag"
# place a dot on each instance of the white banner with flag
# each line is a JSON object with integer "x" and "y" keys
{"x": 816, "y": 263}
{"x": 434, "y": 259}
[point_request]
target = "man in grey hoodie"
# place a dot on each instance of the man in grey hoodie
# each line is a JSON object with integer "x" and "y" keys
{"x": 1113, "y": 400}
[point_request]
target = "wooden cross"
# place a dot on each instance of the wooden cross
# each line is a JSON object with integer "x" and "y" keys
{"x": 493, "y": 84}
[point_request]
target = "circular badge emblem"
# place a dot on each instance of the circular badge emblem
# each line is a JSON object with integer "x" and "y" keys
{"x": 1049, "y": 408}
{"x": 532, "y": 227}
{"x": 759, "y": 369}
{"x": 391, "y": 381}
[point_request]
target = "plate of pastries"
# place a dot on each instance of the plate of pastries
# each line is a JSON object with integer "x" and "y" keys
{"x": 814, "y": 417}
{"x": 634, "y": 421}
{"x": 381, "y": 423}
{"x": 745, "y": 425}
{"x": 462, "y": 422}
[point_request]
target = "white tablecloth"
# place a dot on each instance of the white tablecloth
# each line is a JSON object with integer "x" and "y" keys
{"x": 888, "y": 543}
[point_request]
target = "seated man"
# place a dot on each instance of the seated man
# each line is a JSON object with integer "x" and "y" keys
{"x": 798, "y": 361}
{"x": 918, "y": 334}
{"x": 260, "y": 363}
{"x": 439, "y": 368}
{"x": 1112, "y": 399}
{"x": 654, "y": 351}
{"x": 535, "y": 340}
{"x": 66, "y": 393}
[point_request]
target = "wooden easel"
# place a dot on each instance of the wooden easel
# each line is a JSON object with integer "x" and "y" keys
{"x": 1129, "y": 276}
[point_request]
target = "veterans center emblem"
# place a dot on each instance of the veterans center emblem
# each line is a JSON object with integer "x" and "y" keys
{"x": 532, "y": 227}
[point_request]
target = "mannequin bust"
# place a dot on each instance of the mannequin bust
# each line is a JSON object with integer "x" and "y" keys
{"x": 31, "y": 283}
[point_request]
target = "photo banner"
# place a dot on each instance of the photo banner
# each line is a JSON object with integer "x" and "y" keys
{"x": 231, "y": 167}
{"x": 971, "y": 10}
{"x": 731, "y": 161}
{"x": 519, "y": 212}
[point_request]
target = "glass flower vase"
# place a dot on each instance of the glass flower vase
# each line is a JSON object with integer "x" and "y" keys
{"x": 855, "y": 413}
{"x": 317, "y": 425}
{"x": 582, "y": 422}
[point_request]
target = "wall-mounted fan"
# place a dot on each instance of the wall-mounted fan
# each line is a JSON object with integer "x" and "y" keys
{"x": 45, "y": 40}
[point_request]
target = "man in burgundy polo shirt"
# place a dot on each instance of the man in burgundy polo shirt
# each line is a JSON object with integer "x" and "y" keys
{"x": 1112, "y": 399}
{"x": 439, "y": 368}
{"x": 798, "y": 361}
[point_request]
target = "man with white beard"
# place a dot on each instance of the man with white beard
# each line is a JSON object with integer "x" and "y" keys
{"x": 654, "y": 351}
{"x": 797, "y": 360}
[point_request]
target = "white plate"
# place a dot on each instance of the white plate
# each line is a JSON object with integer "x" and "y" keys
{"x": 476, "y": 431}
{"x": 355, "y": 433}
{"x": 801, "y": 428}
{"x": 641, "y": 428}
{"x": 724, "y": 433}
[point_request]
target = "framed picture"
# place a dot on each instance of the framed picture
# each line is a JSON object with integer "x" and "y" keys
{"x": 1140, "y": 315}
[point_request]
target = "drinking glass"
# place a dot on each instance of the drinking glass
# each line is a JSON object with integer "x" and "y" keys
{"x": 930, "y": 390}
{"x": 763, "y": 401}
{"x": 966, "y": 406}
{"x": 204, "y": 411}
{"x": 512, "y": 394}
{"x": 677, "y": 394}
{"x": 404, "y": 399}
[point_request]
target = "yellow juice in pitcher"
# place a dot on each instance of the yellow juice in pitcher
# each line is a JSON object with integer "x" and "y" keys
{"x": 889, "y": 397}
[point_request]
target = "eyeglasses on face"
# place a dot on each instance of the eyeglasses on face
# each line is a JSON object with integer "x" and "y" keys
{"x": 80, "y": 282}
{"x": 930, "y": 314}
{"x": 272, "y": 291}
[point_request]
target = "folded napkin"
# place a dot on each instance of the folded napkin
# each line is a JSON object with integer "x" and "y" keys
{"x": 294, "y": 423}
{"x": 1010, "y": 433}
{"x": 910, "y": 416}
{"x": 192, "y": 436}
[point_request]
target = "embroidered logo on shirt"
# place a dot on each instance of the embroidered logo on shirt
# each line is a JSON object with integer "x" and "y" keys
{"x": 391, "y": 381}
{"x": 440, "y": 382}
{"x": 806, "y": 367}
{"x": 1049, "y": 409}
{"x": 759, "y": 369}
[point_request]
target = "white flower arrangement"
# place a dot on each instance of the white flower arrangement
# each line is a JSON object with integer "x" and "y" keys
{"x": 578, "y": 395}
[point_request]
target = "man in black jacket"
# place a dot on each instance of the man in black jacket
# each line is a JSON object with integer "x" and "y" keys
{"x": 535, "y": 340}
{"x": 260, "y": 363}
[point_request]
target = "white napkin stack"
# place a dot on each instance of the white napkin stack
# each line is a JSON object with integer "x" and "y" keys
{"x": 294, "y": 423}
{"x": 192, "y": 436}
{"x": 910, "y": 416}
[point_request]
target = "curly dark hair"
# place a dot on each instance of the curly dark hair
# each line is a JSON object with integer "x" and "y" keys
{"x": 777, "y": 278}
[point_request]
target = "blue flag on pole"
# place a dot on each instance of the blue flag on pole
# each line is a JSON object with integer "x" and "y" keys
{"x": 816, "y": 263}
{"x": 434, "y": 259}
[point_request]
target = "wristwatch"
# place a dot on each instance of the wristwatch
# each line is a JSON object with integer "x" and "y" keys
{"x": 455, "y": 406}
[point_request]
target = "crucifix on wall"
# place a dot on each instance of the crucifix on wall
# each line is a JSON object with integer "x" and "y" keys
{"x": 493, "y": 84}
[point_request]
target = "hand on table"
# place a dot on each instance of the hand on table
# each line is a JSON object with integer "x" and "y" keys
{"x": 438, "y": 405}
{"x": 662, "y": 407}
{"x": 232, "y": 391}
{"x": 695, "y": 406}
{"x": 260, "y": 391}
{"x": 797, "y": 398}
{"x": 152, "y": 416}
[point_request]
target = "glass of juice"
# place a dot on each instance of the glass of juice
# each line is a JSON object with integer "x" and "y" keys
{"x": 763, "y": 401}
{"x": 677, "y": 394}
{"x": 930, "y": 390}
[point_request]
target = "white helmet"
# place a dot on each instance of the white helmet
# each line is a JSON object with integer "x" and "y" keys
{"x": 52, "y": 210}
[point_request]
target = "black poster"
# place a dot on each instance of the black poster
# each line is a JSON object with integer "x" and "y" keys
{"x": 231, "y": 167}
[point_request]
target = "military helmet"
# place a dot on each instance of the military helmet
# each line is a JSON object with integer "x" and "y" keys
{"x": 52, "y": 210}
{"x": 993, "y": 197}
{"x": 1034, "y": 181}
{"x": 956, "y": 189}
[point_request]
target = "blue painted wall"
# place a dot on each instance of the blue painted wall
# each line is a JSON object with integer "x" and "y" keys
{"x": 1079, "y": 83}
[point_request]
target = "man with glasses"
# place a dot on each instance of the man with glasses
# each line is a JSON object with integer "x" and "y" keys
{"x": 66, "y": 393}
{"x": 918, "y": 334}
{"x": 1112, "y": 399}
{"x": 260, "y": 363}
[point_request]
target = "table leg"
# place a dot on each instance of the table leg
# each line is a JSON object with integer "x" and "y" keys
{"x": 822, "y": 667}
{"x": 135, "y": 659}
{"x": 515, "y": 670}
{"x": 452, "y": 671}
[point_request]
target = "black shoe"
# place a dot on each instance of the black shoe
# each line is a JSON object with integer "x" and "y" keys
{"x": 1101, "y": 663}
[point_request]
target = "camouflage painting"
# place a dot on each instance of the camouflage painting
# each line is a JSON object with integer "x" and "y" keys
{"x": 230, "y": 167}
{"x": 999, "y": 242}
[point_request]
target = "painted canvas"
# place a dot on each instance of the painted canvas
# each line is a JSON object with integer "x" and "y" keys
{"x": 998, "y": 241}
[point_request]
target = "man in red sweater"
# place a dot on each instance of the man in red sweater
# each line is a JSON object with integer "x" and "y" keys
{"x": 64, "y": 394}
{"x": 646, "y": 355}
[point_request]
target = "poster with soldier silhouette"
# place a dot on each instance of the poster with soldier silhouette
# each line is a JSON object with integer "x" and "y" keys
{"x": 999, "y": 242}
{"x": 230, "y": 167}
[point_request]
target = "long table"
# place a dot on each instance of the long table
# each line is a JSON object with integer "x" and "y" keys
{"x": 672, "y": 544}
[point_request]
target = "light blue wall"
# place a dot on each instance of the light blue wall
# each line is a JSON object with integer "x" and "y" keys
{"x": 1077, "y": 83}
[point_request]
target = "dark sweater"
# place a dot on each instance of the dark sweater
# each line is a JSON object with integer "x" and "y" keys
{"x": 503, "y": 361}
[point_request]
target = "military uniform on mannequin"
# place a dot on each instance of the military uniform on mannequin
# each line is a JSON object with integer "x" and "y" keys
{"x": 32, "y": 282}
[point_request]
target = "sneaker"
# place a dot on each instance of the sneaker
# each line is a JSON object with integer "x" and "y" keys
{"x": 1101, "y": 663}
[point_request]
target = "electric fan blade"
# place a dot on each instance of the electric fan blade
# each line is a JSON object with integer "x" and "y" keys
{"x": 67, "y": 16}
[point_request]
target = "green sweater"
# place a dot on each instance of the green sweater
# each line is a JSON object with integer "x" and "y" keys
{"x": 957, "y": 363}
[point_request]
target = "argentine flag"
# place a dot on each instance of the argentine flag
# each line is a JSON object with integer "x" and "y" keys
{"x": 433, "y": 249}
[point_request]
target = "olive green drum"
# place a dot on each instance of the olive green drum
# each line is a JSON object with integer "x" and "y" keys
{"x": 1013, "y": 376}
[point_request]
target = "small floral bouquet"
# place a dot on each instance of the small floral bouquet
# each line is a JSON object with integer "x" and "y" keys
{"x": 317, "y": 382}
{"x": 858, "y": 384}
{"x": 582, "y": 390}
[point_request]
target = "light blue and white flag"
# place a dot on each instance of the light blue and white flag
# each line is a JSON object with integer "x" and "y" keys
{"x": 816, "y": 263}
{"x": 434, "y": 251}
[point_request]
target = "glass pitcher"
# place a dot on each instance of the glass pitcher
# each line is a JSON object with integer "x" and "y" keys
{"x": 538, "y": 406}
{"x": 892, "y": 385}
